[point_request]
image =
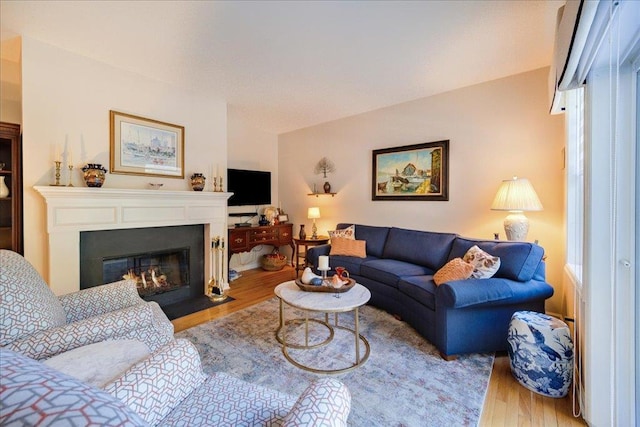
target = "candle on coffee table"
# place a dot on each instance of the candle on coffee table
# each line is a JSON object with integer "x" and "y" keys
{"x": 323, "y": 262}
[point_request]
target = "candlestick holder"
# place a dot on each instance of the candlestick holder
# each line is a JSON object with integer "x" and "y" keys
{"x": 215, "y": 184}
{"x": 70, "y": 184}
{"x": 323, "y": 272}
{"x": 57, "y": 183}
{"x": 219, "y": 187}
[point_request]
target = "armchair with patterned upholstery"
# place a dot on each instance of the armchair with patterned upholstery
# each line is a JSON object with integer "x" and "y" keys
{"x": 168, "y": 388}
{"x": 36, "y": 323}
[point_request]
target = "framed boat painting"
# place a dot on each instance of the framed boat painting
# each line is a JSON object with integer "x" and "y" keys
{"x": 148, "y": 147}
{"x": 411, "y": 172}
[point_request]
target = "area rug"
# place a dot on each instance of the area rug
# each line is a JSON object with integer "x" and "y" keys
{"x": 403, "y": 383}
{"x": 202, "y": 302}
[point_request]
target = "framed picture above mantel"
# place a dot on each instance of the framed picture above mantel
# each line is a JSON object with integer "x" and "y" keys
{"x": 148, "y": 147}
{"x": 411, "y": 172}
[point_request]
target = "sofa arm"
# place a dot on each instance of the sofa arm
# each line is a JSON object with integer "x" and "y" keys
{"x": 100, "y": 300}
{"x": 325, "y": 403}
{"x": 315, "y": 251}
{"x": 494, "y": 291}
{"x": 116, "y": 324}
{"x": 153, "y": 387}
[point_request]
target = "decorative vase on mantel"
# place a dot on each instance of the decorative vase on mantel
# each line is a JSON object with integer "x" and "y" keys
{"x": 327, "y": 187}
{"x": 197, "y": 181}
{"x": 94, "y": 174}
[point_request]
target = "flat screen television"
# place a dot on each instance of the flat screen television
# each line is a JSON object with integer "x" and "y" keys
{"x": 249, "y": 187}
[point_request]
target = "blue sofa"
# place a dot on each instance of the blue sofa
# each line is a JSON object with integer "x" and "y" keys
{"x": 462, "y": 316}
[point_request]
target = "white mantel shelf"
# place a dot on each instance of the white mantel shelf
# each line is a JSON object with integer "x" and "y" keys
{"x": 71, "y": 210}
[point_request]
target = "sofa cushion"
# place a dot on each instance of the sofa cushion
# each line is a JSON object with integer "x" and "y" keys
{"x": 484, "y": 265}
{"x": 350, "y": 263}
{"x": 456, "y": 269}
{"x": 100, "y": 363}
{"x": 225, "y": 401}
{"x": 348, "y": 232}
{"x": 35, "y": 394}
{"x": 348, "y": 247}
{"x": 420, "y": 288}
{"x": 419, "y": 247}
{"x": 156, "y": 385}
{"x": 389, "y": 271}
{"x": 375, "y": 237}
{"x": 27, "y": 305}
{"x": 518, "y": 260}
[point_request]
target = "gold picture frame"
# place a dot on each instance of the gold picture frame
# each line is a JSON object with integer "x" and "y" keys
{"x": 147, "y": 147}
{"x": 412, "y": 172}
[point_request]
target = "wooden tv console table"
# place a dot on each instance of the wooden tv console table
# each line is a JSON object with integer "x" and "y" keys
{"x": 243, "y": 239}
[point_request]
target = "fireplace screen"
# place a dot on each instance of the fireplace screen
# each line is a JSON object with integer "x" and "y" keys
{"x": 154, "y": 272}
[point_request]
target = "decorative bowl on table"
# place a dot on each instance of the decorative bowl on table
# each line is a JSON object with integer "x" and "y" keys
{"x": 325, "y": 287}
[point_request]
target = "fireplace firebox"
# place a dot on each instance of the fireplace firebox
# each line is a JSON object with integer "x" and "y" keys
{"x": 167, "y": 263}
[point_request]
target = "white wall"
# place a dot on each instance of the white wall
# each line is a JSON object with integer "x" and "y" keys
{"x": 254, "y": 149}
{"x": 66, "y": 100}
{"x": 496, "y": 130}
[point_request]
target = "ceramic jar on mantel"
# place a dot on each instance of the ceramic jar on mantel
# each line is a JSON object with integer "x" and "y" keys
{"x": 197, "y": 181}
{"x": 94, "y": 174}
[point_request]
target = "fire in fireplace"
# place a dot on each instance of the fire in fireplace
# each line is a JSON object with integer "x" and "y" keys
{"x": 154, "y": 272}
{"x": 166, "y": 262}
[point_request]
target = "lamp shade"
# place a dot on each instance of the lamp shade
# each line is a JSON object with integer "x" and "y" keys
{"x": 516, "y": 194}
{"x": 313, "y": 213}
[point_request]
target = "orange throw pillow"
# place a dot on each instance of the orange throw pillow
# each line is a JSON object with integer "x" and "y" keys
{"x": 456, "y": 269}
{"x": 348, "y": 247}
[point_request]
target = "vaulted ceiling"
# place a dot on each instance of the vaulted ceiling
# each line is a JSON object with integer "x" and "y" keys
{"x": 285, "y": 65}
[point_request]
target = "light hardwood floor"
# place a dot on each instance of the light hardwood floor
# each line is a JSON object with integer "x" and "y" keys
{"x": 507, "y": 403}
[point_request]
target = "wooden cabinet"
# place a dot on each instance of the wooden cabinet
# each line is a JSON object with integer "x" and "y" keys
{"x": 243, "y": 239}
{"x": 11, "y": 174}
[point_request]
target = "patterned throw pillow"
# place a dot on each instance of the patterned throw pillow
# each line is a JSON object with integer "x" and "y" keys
{"x": 347, "y": 233}
{"x": 348, "y": 247}
{"x": 456, "y": 269}
{"x": 484, "y": 265}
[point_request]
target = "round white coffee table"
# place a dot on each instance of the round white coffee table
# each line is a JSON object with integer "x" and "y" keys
{"x": 322, "y": 302}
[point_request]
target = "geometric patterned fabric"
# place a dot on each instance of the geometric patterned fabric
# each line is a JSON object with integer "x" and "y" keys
{"x": 34, "y": 394}
{"x": 225, "y": 401}
{"x": 170, "y": 382}
{"x": 99, "y": 300}
{"x": 154, "y": 386}
{"x": 27, "y": 305}
{"x": 327, "y": 403}
{"x": 36, "y": 323}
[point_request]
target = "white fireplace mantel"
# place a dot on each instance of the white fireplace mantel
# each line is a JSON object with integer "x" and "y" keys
{"x": 71, "y": 210}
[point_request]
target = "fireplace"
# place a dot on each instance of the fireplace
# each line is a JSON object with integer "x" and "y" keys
{"x": 167, "y": 263}
{"x": 75, "y": 210}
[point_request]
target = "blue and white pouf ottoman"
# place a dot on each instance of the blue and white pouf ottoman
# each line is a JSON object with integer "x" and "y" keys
{"x": 541, "y": 353}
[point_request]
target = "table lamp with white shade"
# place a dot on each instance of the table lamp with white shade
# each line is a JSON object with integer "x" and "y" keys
{"x": 516, "y": 195}
{"x": 314, "y": 213}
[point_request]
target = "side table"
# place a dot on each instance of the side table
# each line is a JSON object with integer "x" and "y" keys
{"x": 306, "y": 243}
